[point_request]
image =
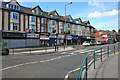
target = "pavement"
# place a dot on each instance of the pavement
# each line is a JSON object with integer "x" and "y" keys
{"x": 107, "y": 69}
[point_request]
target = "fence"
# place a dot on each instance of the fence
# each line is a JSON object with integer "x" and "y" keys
{"x": 85, "y": 65}
{"x": 35, "y": 49}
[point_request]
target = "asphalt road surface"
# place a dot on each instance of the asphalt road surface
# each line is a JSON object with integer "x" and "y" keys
{"x": 53, "y": 65}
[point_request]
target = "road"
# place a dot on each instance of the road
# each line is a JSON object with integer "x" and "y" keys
{"x": 54, "y": 65}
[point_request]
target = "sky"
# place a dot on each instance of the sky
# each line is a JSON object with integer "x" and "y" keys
{"x": 102, "y": 15}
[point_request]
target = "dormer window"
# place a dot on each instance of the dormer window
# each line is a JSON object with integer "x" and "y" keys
{"x": 37, "y": 12}
{"x": 13, "y": 6}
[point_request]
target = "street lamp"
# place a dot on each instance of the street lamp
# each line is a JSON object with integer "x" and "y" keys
{"x": 65, "y": 22}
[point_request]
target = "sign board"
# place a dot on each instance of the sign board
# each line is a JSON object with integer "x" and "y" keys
{"x": 61, "y": 36}
{"x": 87, "y": 37}
{"x": 53, "y": 36}
{"x": 74, "y": 37}
{"x": 69, "y": 37}
{"x": 44, "y": 37}
{"x": 13, "y": 35}
{"x": 32, "y": 35}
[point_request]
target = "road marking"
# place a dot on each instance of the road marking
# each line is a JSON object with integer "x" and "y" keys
{"x": 34, "y": 62}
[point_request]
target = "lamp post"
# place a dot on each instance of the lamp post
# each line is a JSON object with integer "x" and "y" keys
{"x": 65, "y": 20}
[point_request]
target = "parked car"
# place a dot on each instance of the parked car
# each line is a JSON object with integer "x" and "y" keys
{"x": 92, "y": 43}
{"x": 107, "y": 42}
{"x": 98, "y": 42}
{"x": 86, "y": 43}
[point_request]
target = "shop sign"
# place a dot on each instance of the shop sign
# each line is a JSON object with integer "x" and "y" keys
{"x": 53, "y": 36}
{"x": 13, "y": 35}
{"x": 32, "y": 35}
{"x": 61, "y": 36}
{"x": 87, "y": 37}
{"x": 44, "y": 37}
{"x": 74, "y": 37}
{"x": 68, "y": 37}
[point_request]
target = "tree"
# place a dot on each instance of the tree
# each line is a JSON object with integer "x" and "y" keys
{"x": 119, "y": 31}
{"x": 113, "y": 30}
{"x": 95, "y": 30}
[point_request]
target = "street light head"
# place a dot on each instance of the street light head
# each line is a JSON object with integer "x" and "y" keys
{"x": 70, "y": 2}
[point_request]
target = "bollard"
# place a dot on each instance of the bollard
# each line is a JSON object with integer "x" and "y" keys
{"x": 114, "y": 49}
{"x": 86, "y": 68}
{"x": 108, "y": 51}
{"x": 101, "y": 54}
{"x": 94, "y": 59}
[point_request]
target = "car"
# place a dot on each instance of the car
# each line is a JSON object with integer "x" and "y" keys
{"x": 86, "y": 43}
{"x": 92, "y": 43}
{"x": 98, "y": 42}
{"x": 107, "y": 42}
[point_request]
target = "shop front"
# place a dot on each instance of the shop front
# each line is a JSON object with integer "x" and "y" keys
{"x": 44, "y": 39}
{"x": 53, "y": 39}
{"x": 32, "y": 39}
{"x": 60, "y": 40}
{"x": 74, "y": 40}
{"x": 14, "y": 39}
{"x": 68, "y": 39}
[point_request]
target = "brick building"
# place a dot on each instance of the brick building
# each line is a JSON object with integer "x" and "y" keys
{"x": 105, "y": 36}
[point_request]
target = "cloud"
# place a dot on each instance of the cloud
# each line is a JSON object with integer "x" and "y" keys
{"x": 98, "y": 14}
{"x": 96, "y": 4}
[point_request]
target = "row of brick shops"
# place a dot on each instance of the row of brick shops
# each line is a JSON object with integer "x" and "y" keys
{"x": 22, "y": 39}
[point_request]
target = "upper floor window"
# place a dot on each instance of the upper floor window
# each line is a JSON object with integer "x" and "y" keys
{"x": 83, "y": 33}
{"x": 33, "y": 18}
{"x": 100, "y": 32}
{"x": 37, "y": 12}
{"x": 43, "y": 29}
{"x": 13, "y": 7}
{"x": 52, "y": 29}
{"x": 68, "y": 25}
{"x": 14, "y": 26}
{"x": 88, "y": 34}
{"x": 74, "y": 32}
{"x": 79, "y": 32}
{"x": 78, "y": 27}
{"x": 60, "y": 23}
{"x": 33, "y": 28}
{"x": 74, "y": 26}
{"x": 14, "y": 15}
{"x": 87, "y": 28}
{"x": 44, "y": 20}
{"x": 52, "y": 22}
{"x": 91, "y": 29}
{"x": 60, "y": 31}
{"x": 83, "y": 28}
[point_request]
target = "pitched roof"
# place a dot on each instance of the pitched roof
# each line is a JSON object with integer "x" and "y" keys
{"x": 37, "y": 7}
{"x": 86, "y": 22}
{"x": 53, "y": 12}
